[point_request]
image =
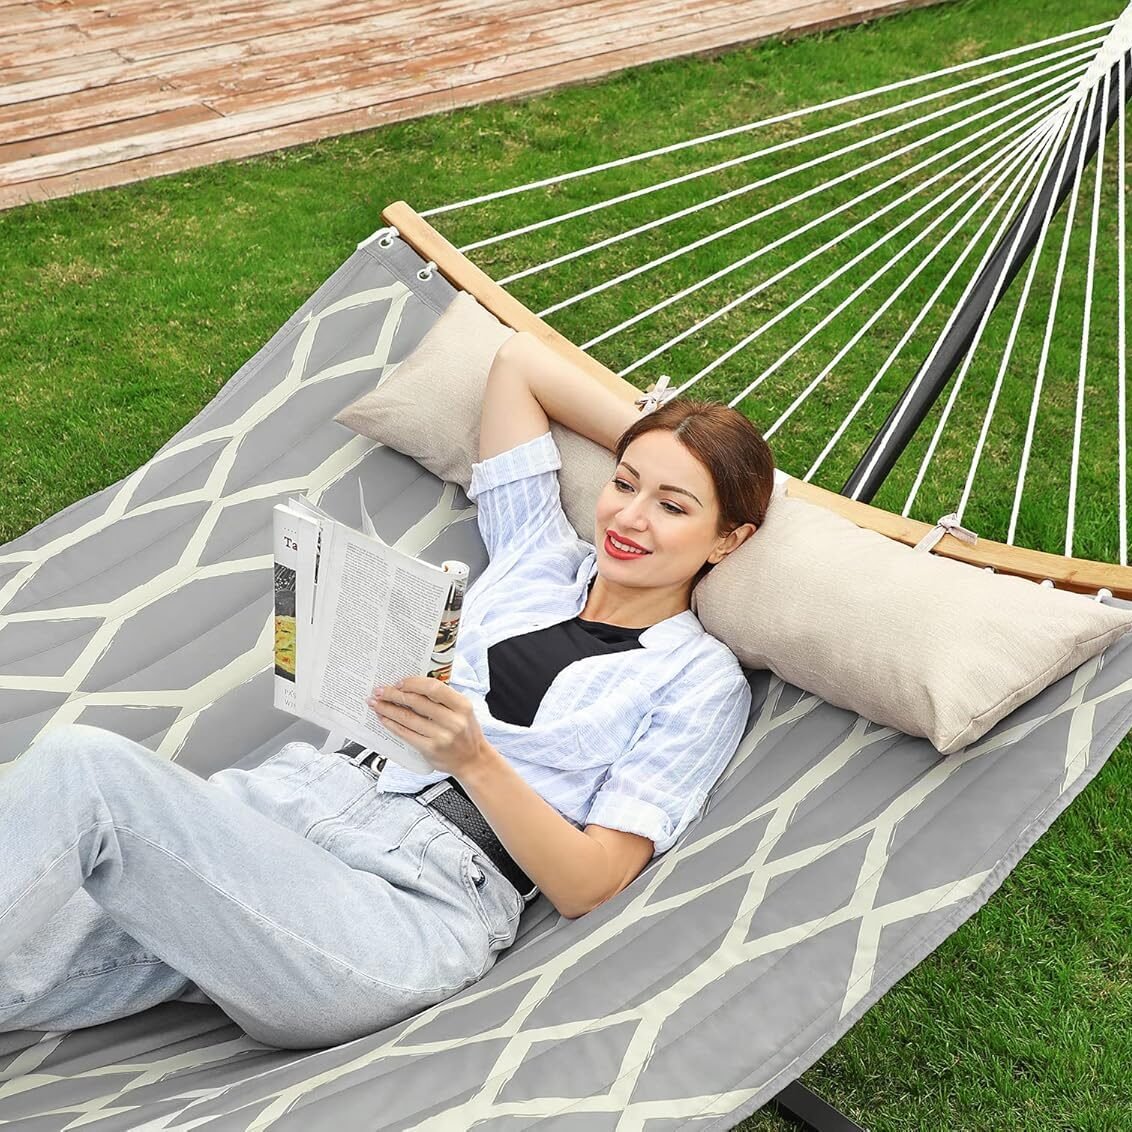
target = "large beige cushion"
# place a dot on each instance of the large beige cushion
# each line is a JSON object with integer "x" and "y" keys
{"x": 927, "y": 645}
{"x": 429, "y": 408}
{"x": 924, "y": 644}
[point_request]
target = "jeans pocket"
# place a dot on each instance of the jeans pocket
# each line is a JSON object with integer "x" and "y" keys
{"x": 495, "y": 900}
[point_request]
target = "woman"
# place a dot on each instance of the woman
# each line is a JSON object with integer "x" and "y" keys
{"x": 315, "y": 900}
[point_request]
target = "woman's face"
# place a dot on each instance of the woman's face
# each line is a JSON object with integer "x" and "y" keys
{"x": 662, "y": 500}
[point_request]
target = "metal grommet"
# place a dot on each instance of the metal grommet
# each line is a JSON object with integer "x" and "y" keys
{"x": 387, "y": 237}
{"x": 425, "y": 272}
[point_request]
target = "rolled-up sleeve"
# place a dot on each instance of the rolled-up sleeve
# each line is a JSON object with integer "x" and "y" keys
{"x": 658, "y": 787}
{"x": 517, "y": 497}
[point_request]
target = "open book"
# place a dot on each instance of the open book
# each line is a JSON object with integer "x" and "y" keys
{"x": 351, "y": 613}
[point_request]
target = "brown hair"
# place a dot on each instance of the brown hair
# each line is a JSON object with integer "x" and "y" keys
{"x": 732, "y": 449}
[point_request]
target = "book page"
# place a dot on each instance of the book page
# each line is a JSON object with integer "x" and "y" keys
{"x": 377, "y": 615}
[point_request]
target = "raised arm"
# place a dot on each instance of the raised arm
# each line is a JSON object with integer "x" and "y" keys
{"x": 530, "y": 385}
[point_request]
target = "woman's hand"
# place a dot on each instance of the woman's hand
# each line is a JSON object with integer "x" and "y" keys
{"x": 433, "y": 719}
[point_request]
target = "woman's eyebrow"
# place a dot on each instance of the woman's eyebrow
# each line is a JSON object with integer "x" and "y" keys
{"x": 663, "y": 486}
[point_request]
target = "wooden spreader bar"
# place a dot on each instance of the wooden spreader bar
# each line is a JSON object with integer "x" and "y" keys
{"x": 1077, "y": 574}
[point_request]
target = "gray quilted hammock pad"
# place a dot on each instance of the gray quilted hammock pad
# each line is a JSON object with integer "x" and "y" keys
{"x": 834, "y": 853}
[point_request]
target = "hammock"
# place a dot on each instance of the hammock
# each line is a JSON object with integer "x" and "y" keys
{"x": 834, "y": 854}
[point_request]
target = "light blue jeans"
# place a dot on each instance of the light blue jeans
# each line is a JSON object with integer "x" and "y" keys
{"x": 309, "y": 905}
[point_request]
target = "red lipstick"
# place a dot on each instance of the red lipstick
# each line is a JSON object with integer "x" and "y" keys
{"x": 613, "y": 552}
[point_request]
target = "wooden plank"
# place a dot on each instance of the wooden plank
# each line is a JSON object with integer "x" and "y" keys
{"x": 1077, "y": 574}
{"x": 413, "y": 76}
{"x": 140, "y": 35}
{"x": 23, "y": 18}
{"x": 515, "y": 24}
{"x": 120, "y": 101}
{"x": 447, "y": 71}
{"x": 180, "y": 157}
{"x": 55, "y": 146}
{"x": 41, "y": 77}
{"x": 466, "y": 276}
{"x": 123, "y": 102}
{"x": 196, "y": 65}
{"x": 47, "y": 43}
{"x": 358, "y": 16}
{"x": 160, "y": 152}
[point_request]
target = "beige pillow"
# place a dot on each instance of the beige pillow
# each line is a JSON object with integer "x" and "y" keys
{"x": 924, "y": 644}
{"x": 927, "y": 645}
{"x": 428, "y": 407}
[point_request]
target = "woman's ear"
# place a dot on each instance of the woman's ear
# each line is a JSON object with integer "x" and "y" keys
{"x": 731, "y": 542}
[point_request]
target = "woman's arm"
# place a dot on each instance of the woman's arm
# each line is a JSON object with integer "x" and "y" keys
{"x": 576, "y": 870}
{"x": 530, "y": 384}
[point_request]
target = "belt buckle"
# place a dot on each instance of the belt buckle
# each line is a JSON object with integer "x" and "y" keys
{"x": 426, "y": 794}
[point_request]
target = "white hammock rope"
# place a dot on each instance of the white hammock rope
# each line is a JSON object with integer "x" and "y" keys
{"x": 1014, "y": 196}
{"x": 1023, "y": 299}
{"x": 817, "y": 289}
{"x": 1043, "y": 360}
{"x": 1014, "y": 157}
{"x": 847, "y": 100}
{"x": 1086, "y": 324}
{"x": 1034, "y": 109}
{"x": 824, "y": 187}
{"x": 1069, "y": 124}
{"x": 844, "y": 269}
{"x": 1082, "y": 55}
{"x": 762, "y": 182}
{"x": 976, "y": 159}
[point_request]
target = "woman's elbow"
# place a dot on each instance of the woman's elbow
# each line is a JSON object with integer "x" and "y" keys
{"x": 575, "y": 912}
{"x": 509, "y": 358}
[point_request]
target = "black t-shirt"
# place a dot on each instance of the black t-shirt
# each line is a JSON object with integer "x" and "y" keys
{"x": 521, "y": 669}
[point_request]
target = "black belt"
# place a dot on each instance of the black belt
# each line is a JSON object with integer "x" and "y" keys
{"x": 449, "y": 798}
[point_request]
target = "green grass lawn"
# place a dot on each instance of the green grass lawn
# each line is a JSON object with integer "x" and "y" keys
{"x": 125, "y": 311}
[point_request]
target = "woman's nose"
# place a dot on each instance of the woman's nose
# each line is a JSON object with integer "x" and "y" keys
{"x": 633, "y": 515}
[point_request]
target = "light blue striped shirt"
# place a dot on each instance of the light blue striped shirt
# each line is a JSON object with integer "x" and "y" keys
{"x": 631, "y": 740}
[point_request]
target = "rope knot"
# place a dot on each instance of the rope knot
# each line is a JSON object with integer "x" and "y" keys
{"x": 657, "y": 396}
{"x": 946, "y": 525}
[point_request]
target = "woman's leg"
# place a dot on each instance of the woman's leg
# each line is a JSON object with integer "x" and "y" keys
{"x": 300, "y": 946}
{"x": 79, "y": 970}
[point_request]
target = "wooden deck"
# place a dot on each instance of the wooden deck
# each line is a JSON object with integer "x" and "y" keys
{"x": 103, "y": 92}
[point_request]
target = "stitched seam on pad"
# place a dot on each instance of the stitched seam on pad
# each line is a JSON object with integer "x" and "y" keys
{"x": 964, "y": 910}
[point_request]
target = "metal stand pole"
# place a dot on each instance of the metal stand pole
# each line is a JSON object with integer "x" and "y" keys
{"x": 932, "y": 377}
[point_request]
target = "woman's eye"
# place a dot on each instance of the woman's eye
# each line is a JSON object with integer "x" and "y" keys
{"x": 671, "y": 508}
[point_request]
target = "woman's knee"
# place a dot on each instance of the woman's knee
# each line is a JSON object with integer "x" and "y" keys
{"x": 79, "y": 747}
